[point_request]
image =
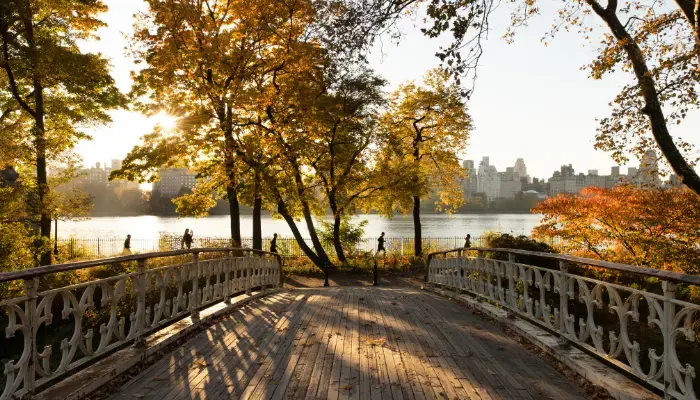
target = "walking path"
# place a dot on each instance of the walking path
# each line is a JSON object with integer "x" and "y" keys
{"x": 354, "y": 343}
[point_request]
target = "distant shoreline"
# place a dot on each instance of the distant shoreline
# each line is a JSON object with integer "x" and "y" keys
{"x": 265, "y": 213}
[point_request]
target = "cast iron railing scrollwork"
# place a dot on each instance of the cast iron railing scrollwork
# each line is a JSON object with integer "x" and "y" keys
{"x": 130, "y": 306}
{"x": 571, "y": 305}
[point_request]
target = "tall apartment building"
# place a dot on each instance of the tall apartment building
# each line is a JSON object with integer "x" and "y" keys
{"x": 511, "y": 183}
{"x": 469, "y": 184}
{"x": 99, "y": 175}
{"x": 488, "y": 180}
{"x": 565, "y": 181}
{"x": 93, "y": 176}
{"x": 172, "y": 180}
{"x": 521, "y": 170}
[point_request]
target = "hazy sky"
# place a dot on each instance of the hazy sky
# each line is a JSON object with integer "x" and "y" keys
{"x": 531, "y": 101}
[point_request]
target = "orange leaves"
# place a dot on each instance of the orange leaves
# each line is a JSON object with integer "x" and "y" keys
{"x": 654, "y": 228}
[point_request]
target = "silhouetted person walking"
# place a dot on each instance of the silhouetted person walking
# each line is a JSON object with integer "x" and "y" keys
{"x": 380, "y": 245}
{"x": 273, "y": 244}
{"x": 187, "y": 239}
{"x": 127, "y": 245}
{"x": 468, "y": 241}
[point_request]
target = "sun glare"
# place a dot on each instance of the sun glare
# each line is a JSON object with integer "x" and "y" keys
{"x": 167, "y": 122}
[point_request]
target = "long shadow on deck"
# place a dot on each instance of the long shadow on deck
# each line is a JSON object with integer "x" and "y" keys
{"x": 351, "y": 342}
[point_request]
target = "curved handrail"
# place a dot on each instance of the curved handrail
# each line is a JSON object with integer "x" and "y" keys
{"x": 51, "y": 269}
{"x": 656, "y": 273}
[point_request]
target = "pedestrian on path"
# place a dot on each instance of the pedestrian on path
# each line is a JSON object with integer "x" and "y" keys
{"x": 380, "y": 245}
{"x": 127, "y": 245}
{"x": 187, "y": 239}
{"x": 273, "y": 244}
{"x": 468, "y": 241}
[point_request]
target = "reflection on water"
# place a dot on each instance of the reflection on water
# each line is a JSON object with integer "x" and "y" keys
{"x": 434, "y": 225}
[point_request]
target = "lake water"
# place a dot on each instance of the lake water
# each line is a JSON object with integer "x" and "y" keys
{"x": 434, "y": 225}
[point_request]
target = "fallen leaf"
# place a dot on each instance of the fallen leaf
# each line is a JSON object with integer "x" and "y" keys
{"x": 346, "y": 387}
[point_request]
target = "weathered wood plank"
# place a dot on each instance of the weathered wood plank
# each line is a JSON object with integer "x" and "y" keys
{"x": 155, "y": 380}
{"x": 351, "y": 344}
{"x": 309, "y": 353}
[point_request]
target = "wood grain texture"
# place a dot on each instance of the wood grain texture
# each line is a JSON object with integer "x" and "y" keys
{"x": 351, "y": 343}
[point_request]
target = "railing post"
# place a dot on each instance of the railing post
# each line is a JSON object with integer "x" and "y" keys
{"x": 479, "y": 287}
{"x": 427, "y": 268}
{"x": 31, "y": 286}
{"x": 511, "y": 301}
{"x": 248, "y": 276}
{"x": 228, "y": 264}
{"x": 563, "y": 297}
{"x": 140, "y": 341}
{"x": 279, "y": 271}
{"x": 669, "y": 339}
{"x": 194, "y": 301}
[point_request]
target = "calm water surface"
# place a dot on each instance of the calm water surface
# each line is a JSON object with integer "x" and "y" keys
{"x": 435, "y": 225}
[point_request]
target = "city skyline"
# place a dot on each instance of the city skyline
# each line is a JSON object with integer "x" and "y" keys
{"x": 550, "y": 104}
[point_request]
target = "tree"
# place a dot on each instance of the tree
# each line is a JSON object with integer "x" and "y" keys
{"x": 626, "y": 224}
{"x": 428, "y": 127}
{"x": 342, "y": 152}
{"x": 56, "y": 86}
{"x": 201, "y": 60}
{"x": 659, "y": 45}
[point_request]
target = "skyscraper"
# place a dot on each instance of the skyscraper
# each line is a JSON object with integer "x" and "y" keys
{"x": 521, "y": 170}
{"x": 649, "y": 170}
{"x": 488, "y": 180}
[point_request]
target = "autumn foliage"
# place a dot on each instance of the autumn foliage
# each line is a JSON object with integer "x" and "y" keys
{"x": 627, "y": 224}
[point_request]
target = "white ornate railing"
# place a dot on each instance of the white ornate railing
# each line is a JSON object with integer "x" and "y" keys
{"x": 127, "y": 308}
{"x": 598, "y": 316}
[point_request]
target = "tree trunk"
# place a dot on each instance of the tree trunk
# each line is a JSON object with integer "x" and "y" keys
{"x": 282, "y": 209}
{"x": 418, "y": 240}
{"x": 39, "y": 133}
{"x": 234, "y": 210}
{"x": 257, "y": 208}
{"x": 318, "y": 246}
{"x": 41, "y": 176}
{"x": 417, "y": 243}
{"x": 336, "y": 229}
{"x": 652, "y": 107}
{"x": 336, "y": 240}
{"x": 231, "y": 193}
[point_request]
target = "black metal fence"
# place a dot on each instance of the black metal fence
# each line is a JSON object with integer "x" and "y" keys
{"x": 79, "y": 248}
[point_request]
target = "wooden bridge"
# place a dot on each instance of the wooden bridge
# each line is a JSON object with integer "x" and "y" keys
{"x": 216, "y": 323}
{"x": 351, "y": 342}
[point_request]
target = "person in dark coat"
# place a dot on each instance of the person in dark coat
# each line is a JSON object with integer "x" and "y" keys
{"x": 468, "y": 241}
{"x": 380, "y": 245}
{"x": 273, "y": 244}
{"x": 187, "y": 238}
{"x": 127, "y": 245}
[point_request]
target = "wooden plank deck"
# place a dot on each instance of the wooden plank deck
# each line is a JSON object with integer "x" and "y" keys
{"x": 351, "y": 343}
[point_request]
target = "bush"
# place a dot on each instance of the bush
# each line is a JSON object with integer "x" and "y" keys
{"x": 350, "y": 234}
{"x": 508, "y": 241}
